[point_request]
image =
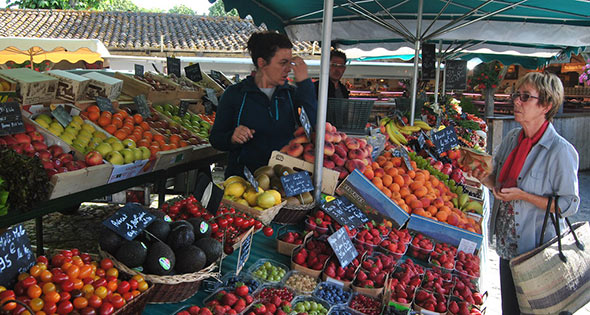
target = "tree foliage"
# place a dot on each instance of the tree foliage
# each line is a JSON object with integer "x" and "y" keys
{"x": 218, "y": 9}
{"x": 54, "y": 4}
{"x": 181, "y": 9}
{"x": 117, "y": 5}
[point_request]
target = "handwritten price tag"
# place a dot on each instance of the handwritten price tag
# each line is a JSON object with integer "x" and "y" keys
{"x": 16, "y": 255}
{"x": 129, "y": 221}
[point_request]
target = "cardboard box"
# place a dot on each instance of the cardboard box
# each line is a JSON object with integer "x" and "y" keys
{"x": 8, "y": 90}
{"x": 372, "y": 201}
{"x": 443, "y": 232}
{"x": 133, "y": 87}
{"x": 103, "y": 85}
{"x": 71, "y": 87}
{"x": 32, "y": 86}
{"x": 329, "y": 177}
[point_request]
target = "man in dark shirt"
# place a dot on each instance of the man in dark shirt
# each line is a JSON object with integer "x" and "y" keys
{"x": 337, "y": 67}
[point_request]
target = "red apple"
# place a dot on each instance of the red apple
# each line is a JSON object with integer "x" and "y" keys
{"x": 65, "y": 158}
{"x": 72, "y": 166}
{"x": 22, "y": 138}
{"x": 93, "y": 158}
{"x": 47, "y": 165}
{"x": 39, "y": 145}
{"x": 43, "y": 155}
{"x": 28, "y": 148}
{"x": 56, "y": 150}
{"x": 36, "y": 136}
{"x": 61, "y": 169}
{"x": 50, "y": 171}
{"x": 9, "y": 140}
{"x": 29, "y": 127}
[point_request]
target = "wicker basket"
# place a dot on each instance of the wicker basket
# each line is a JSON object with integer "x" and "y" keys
{"x": 264, "y": 216}
{"x": 349, "y": 115}
{"x": 290, "y": 214}
{"x": 168, "y": 289}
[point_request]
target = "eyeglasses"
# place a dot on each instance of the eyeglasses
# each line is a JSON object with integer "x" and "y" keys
{"x": 523, "y": 96}
{"x": 338, "y": 65}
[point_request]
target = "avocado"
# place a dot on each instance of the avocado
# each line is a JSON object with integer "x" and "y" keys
{"x": 180, "y": 236}
{"x": 211, "y": 247}
{"x": 109, "y": 240}
{"x": 174, "y": 224}
{"x": 160, "y": 259}
{"x": 132, "y": 253}
{"x": 190, "y": 259}
{"x": 159, "y": 214}
{"x": 200, "y": 227}
{"x": 159, "y": 228}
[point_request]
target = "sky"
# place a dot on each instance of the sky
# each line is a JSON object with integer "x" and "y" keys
{"x": 199, "y": 6}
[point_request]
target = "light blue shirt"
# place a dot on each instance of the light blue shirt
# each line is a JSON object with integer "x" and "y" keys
{"x": 551, "y": 168}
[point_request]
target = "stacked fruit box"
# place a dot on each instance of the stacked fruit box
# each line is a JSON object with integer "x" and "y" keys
{"x": 156, "y": 88}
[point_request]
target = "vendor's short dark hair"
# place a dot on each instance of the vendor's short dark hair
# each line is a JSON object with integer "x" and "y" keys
{"x": 337, "y": 53}
{"x": 265, "y": 45}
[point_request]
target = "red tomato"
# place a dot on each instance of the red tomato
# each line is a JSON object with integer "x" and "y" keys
{"x": 50, "y": 308}
{"x": 257, "y": 225}
{"x": 94, "y": 301}
{"x": 65, "y": 307}
{"x": 106, "y": 264}
{"x": 133, "y": 284}
{"x": 28, "y": 281}
{"x": 222, "y": 223}
{"x": 106, "y": 309}
{"x": 64, "y": 296}
{"x": 67, "y": 285}
{"x": 43, "y": 259}
{"x": 124, "y": 287}
{"x": 238, "y": 222}
{"x": 102, "y": 282}
{"x": 117, "y": 301}
{"x": 268, "y": 231}
{"x": 214, "y": 227}
{"x": 88, "y": 311}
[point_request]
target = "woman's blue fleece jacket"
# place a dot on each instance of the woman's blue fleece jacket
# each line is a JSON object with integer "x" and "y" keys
{"x": 274, "y": 121}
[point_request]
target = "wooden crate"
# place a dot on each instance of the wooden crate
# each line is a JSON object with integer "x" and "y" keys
{"x": 31, "y": 86}
{"x": 134, "y": 87}
{"x": 71, "y": 87}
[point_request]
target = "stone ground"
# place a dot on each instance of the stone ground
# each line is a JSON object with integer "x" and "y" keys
{"x": 68, "y": 231}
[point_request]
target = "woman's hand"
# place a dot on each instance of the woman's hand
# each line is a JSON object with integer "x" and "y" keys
{"x": 242, "y": 134}
{"x": 478, "y": 173}
{"x": 299, "y": 69}
{"x": 509, "y": 194}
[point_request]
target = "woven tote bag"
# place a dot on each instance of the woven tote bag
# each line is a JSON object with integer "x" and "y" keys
{"x": 554, "y": 277}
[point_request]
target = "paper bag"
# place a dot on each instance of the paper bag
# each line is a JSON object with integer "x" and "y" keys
{"x": 475, "y": 159}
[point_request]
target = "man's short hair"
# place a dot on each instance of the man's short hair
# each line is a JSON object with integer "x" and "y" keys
{"x": 337, "y": 53}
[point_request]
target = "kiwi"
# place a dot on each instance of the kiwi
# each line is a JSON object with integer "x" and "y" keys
{"x": 277, "y": 170}
{"x": 293, "y": 201}
{"x": 263, "y": 181}
{"x": 267, "y": 170}
{"x": 307, "y": 198}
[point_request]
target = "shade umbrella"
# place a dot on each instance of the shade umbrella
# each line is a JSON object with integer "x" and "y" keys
{"x": 36, "y": 50}
{"x": 499, "y": 25}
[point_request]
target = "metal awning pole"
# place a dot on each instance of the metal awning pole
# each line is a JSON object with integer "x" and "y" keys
{"x": 320, "y": 128}
{"x": 437, "y": 73}
{"x": 416, "y": 55}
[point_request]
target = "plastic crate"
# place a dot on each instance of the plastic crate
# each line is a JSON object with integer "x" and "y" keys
{"x": 349, "y": 115}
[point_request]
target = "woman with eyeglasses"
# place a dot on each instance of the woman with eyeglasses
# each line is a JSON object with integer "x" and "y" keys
{"x": 260, "y": 113}
{"x": 532, "y": 163}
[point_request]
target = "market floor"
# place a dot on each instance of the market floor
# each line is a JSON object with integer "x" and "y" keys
{"x": 80, "y": 231}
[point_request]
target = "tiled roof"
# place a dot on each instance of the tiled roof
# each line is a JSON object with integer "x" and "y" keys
{"x": 136, "y": 30}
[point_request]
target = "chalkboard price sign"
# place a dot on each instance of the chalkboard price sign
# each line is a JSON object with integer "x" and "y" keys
{"x": 456, "y": 74}
{"x": 244, "y": 252}
{"x": 104, "y": 104}
{"x": 183, "y": 108}
{"x": 64, "y": 118}
{"x": 295, "y": 184}
{"x": 138, "y": 70}
{"x": 250, "y": 178}
{"x": 345, "y": 212}
{"x": 142, "y": 106}
{"x": 15, "y": 254}
{"x": 129, "y": 221}
{"x": 428, "y": 62}
{"x": 445, "y": 139}
{"x": 11, "y": 119}
{"x": 173, "y": 65}
{"x": 421, "y": 140}
{"x": 342, "y": 246}
{"x": 305, "y": 123}
{"x": 193, "y": 72}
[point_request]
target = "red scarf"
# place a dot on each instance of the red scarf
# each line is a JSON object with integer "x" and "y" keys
{"x": 515, "y": 160}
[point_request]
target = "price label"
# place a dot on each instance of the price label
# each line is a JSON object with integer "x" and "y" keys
{"x": 183, "y": 108}
{"x": 406, "y": 157}
{"x": 295, "y": 184}
{"x": 445, "y": 140}
{"x": 173, "y": 65}
{"x": 345, "y": 212}
{"x": 142, "y": 106}
{"x": 438, "y": 119}
{"x": 421, "y": 140}
{"x": 250, "y": 178}
{"x": 104, "y": 104}
{"x": 467, "y": 246}
{"x": 16, "y": 255}
{"x": 211, "y": 96}
{"x": 305, "y": 123}
{"x": 343, "y": 247}
{"x": 64, "y": 118}
{"x": 193, "y": 72}
{"x": 129, "y": 221}
{"x": 11, "y": 119}
{"x": 138, "y": 70}
{"x": 244, "y": 252}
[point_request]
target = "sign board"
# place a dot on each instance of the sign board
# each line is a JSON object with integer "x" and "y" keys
{"x": 104, "y": 104}
{"x": 421, "y": 140}
{"x": 445, "y": 139}
{"x": 305, "y": 123}
{"x": 467, "y": 246}
{"x": 250, "y": 178}
{"x": 295, "y": 184}
{"x": 183, "y": 108}
{"x": 193, "y": 72}
{"x": 11, "y": 119}
{"x": 428, "y": 62}
{"x": 244, "y": 252}
{"x": 211, "y": 96}
{"x": 173, "y": 66}
{"x": 142, "y": 106}
{"x": 406, "y": 157}
{"x": 129, "y": 221}
{"x": 64, "y": 118}
{"x": 345, "y": 212}
{"x": 16, "y": 255}
{"x": 138, "y": 70}
{"x": 343, "y": 247}
{"x": 456, "y": 74}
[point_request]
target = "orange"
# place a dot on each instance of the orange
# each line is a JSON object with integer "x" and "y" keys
{"x": 176, "y": 138}
{"x": 126, "y": 129}
{"x": 144, "y": 125}
{"x": 173, "y": 146}
{"x": 93, "y": 116}
{"x": 106, "y": 114}
{"x": 103, "y": 121}
{"x": 143, "y": 143}
{"x": 93, "y": 109}
{"x": 387, "y": 180}
{"x": 164, "y": 146}
{"x": 123, "y": 114}
{"x": 154, "y": 150}
{"x": 133, "y": 137}
{"x": 148, "y": 135}
{"x": 158, "y": 137}
{"x": 117, "y": 122}
{"x": 137, "y": 118}
{"x": 183, "y": 143}
{"x": 120, "y": 134}
{"x": 129, "y": 120}
{"x": 110, "y": 128}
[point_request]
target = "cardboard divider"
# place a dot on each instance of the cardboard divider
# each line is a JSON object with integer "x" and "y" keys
{"x": 443, "y": 232}
{"x": 329, "y": 177}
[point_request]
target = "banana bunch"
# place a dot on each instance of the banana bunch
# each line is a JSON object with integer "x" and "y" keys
{"x": 394, "y": 134}
{"x": 466, "y": 205}
{"x": 422, "y": 124}
{"x": 407, "y": 129}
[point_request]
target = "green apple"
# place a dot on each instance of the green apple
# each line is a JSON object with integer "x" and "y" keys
{"x": 71, "y": 130}
{"x": 78, "y": 120}
{"x": 44, "y": 117}
{"x": 115, "y": 158}
{"x": 138, "y": 155}
{"x": 99, "y": 134}
{"x": 128, "y": 143}
{"x": 88, "y": 127}
{"x": 84, "y": 138}
{"x": 128, "y": 155}
{"x": 92, "y": 145}
{"x": 146, "y": 153}
{"x": 80, "y": 143}
{"x": 117, "y": 146}
{"x": 67, "y": 138}
{"x": 97, "y": 139}
{"x": 42, "y": 123}
{"x": 111, "y": 140}
{"x": 104, "y": 148}
{"x": 86, "y": 133}
{"x": 79, "y": 147}
{"x": 57, "y": 126}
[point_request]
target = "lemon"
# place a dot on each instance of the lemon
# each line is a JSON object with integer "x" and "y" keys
{"x": 276, "y": 195}
{"x": 235, "y": 189}
{"x": 232, "y": 179}
{"x": 266, "y": 200}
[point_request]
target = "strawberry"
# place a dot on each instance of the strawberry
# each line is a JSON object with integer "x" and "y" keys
{"x": 259, "y": 308}
{"x": 194, "y": 310}
{"x": 205, "y": 311}
{"x": 242, "y": 290}
{"x": 229, "y": 299}
{"x": 240, "y": 305}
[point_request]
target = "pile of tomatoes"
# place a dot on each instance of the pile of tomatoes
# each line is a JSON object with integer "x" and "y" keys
{"x": 71, "y": 281}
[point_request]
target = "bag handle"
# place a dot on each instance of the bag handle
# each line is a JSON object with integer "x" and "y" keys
{"x": 555, "y": 220}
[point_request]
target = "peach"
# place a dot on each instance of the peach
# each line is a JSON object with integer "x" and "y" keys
{"x": 369, "y": 173}
{"x": 343, "y": 172}
{"x": 353, "y": 164}
{"x": 308, "y": 147}
{"x": 379, "y": 172}
{"x": 362, "y": 142}
{"x": 366, "y": 161}
{"x": 341, "y": 150}
{"x": 299, "y": 132}
{"x": 295, "y": 149}
{"x": 337, "y": 137}
{"x": 356, "y": 154}
{"x": 301, "y": 139}
{"x": 425, "y": 202}
{"x": 285, "y": 149}
{"x": 329, "y": 137}
{"x": 329, "y": 148}
{"x": 453, "y": 219}
{"x": 330, "y": 127}
{"x": 338, "y": 160}
{"x": 343, "y": 136}
{"x": 351, "y": 143}
{"x": 329, "y": 163}
{"x": 309, "y": 156}
{"x": 438, "y": 202}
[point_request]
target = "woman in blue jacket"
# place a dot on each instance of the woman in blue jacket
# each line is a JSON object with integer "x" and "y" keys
{"x": 260, "y": 114}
